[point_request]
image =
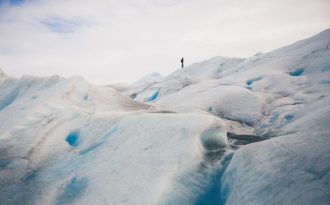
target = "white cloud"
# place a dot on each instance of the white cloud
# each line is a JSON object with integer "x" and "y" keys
{"x": 111, "y": 41}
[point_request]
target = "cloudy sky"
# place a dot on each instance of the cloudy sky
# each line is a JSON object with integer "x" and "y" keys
{"x": 110, "y": 41}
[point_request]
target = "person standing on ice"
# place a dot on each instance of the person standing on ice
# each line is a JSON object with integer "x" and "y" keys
{"x": 182, "y": 60}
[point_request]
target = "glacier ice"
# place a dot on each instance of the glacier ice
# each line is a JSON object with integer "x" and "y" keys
{"x": 222, "y": 131}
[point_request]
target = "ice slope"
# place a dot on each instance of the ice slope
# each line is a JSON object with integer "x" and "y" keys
{"x": 289, "y": 169}
{"x": 211, "y": 68}
{"x": 147, "y": 80}
{"x": 263, "y": 90}
{"x": 307, "y": 57}
{"x": 65, "y": 141}
{"x": 282, "y": 94}
{"x": 141, "y": 85}
{"x": 20, "y": 97}
{"x": 3, "y": 76}
{"x": 181, "y": 78}
{"x": 292, "y": 168}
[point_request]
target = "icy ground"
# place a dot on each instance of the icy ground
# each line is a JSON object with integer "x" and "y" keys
{"x": 224, "y": 131}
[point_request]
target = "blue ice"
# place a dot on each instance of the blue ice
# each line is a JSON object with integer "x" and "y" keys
{"x": 30, "y": 176}
{"x": 214, "y": 193}
{"x": 226, "y": 182}
{"x": 72, "y": 138}
{"x": 289, "y": 118}
{"x": 153, "y": 96}
{"x": 4, "y": 163}
{"x": 96, "y": 145}
{"x": 249, "y": 87}
{"x": 250, "y": 81}
{"x": 9, "y": 99}
{"x": 74, "y": 189}
{"x": 297, "y": 72}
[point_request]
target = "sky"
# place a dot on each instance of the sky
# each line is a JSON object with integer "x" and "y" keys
{"x": 112, "y": 41}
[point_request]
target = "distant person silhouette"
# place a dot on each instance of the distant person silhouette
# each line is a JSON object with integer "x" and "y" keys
{"x": 182, "y": 61}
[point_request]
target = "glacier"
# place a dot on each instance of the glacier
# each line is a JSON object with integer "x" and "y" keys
{"x": 223, "y": 131}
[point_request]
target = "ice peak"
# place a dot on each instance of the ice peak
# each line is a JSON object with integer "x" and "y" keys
{"x": 148, "y": 79}
{"x": 3, "y": 76}
{"x": 210, "y": 68}
{"x": 316, "y": 43}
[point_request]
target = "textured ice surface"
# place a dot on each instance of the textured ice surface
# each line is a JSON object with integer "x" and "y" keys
{"x": 223, "y": 131}
{"x": 297, "y": 163}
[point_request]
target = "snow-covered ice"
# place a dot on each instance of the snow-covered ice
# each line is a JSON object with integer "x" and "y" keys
{"x": 222, "y": 131}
